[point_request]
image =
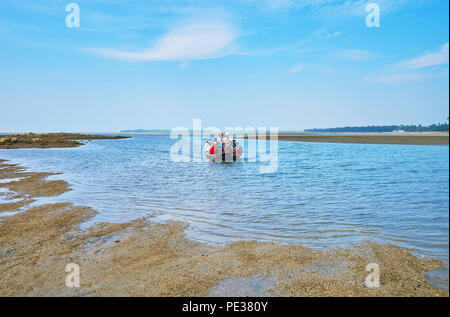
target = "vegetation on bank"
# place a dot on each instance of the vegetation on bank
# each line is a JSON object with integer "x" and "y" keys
{"x": 440, "y": 127}
{"x": 365, "y": 139}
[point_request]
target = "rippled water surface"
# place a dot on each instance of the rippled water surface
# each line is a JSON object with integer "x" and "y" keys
{"x": 322, "y": 195}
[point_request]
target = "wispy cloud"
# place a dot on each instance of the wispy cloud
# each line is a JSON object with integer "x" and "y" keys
{"x": 337, "y": 8}
{"x": 281, "y": 49}
{"x": 427, "y": 66}
{"x": 300, "y": 47}
{"x": 296, "y": 68}
{"x": 323, "y": 34}
{"x": 194, "y": 41}
{"x": 278, "y": 4}
{"x": 427, "y": 60}
{"x": 400, "y": 77}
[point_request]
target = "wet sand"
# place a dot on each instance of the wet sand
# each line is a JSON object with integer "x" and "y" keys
{"x": 49, "y": 140}
{"x": 405, "y": 139}
{"x": 143, "y": 258}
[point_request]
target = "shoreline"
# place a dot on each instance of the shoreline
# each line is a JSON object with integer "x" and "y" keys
{"x": 396, "y": 139}
{"x": 143, "y": 258}
{"x": 49, "y": 140}
{"x": 61, "y": 140}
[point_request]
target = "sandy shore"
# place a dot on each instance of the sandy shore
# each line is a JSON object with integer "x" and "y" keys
{"x": 142, "y": 258}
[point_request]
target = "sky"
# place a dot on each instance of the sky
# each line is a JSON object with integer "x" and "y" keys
{"x": 155, "y": 64}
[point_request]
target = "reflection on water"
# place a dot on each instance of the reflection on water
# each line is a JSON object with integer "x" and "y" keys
{"x": 323, "y": 195}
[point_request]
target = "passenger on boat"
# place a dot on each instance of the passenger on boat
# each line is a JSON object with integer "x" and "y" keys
{"x": 227, "y": 138}
{"x": 238, "y": 149}
{"x": 212, "y": 149}
{"x": 228, "y": 147}
{"x": 207, "y": 146}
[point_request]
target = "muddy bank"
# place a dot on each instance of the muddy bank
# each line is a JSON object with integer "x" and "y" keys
{"x": 49, "y": 140}
{"x": 367, "y": 139}
{"x": 142, "y": 258}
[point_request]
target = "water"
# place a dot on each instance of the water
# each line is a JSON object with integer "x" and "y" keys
{"x": 322, "y": 195}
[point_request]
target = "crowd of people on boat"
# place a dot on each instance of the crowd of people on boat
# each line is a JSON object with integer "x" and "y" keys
{"x": 224, "y": 145}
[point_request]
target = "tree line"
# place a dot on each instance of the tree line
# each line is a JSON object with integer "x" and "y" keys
{"x": 439, "y": 127}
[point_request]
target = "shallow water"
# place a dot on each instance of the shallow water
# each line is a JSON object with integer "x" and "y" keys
{"x": 322, "y": 195}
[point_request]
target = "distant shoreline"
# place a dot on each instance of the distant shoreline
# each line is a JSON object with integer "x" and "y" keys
{"x": 281, "y": 132}
{"x": 441, "y": 133}
{"x": 428, "y": 139}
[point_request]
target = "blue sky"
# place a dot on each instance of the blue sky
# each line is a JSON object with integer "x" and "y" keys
{"x": 159, "y": 64}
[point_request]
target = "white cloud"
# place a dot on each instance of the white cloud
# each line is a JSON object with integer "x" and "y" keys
{"x": 194, "y": 41}
{"x": 296, "y": 68}
{"x": 427, "y": 60}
